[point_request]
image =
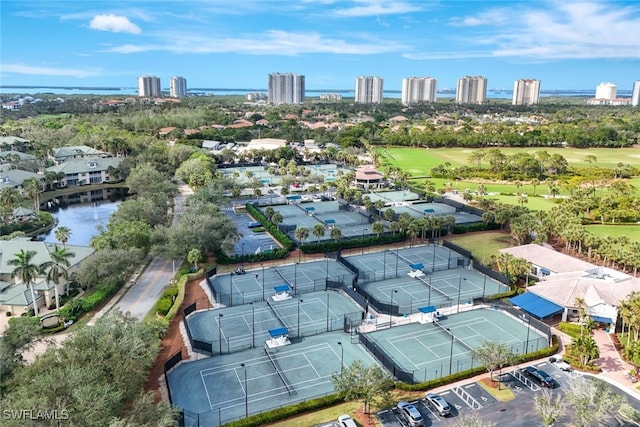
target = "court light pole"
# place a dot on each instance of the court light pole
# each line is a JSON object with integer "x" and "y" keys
{"x": 384, "y": 266}
{"x": 362, "y": 242}
{"x": 295, "y": 278}
{"x": 253, "y": 325}
{"x": 484, "y": 285}
{"x": 220, "y": 315}
{"x": 298, "y": 330}
{"x": 528, "y": 329}
{"x": 242, "y": 256}
{"x": 327, "y": 311}
{"x": 231, "y": 289}
{"x": 450, "y": 353}
{"x": 459, "y": 289}
{"x": 246, "y": 391}
{"x": 341, "y": 357}
{"x": 395, "y": 291}
{"x": 262, "y": 265}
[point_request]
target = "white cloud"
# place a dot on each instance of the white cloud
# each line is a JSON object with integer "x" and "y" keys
{"x": 114, "y": 23}
{"x": 49, "y": 71}
{"x": 377, "y": 8}
{"x": 273, "y": 42}
{"x": 554, "y": 32}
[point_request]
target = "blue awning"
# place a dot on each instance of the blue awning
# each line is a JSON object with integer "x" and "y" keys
{"x": 311, "y": 208}
{"x": 544, "y": 271}
{"x": 536, "y": 305}
{"x": 329, "y": 221}
{"x": 427, "y": 309}
{"x": 294, "y": 197}
{"x": 417, "y": 266}
{"x": 429, "y": 211}
{"x": 281, "y": 288}
{"x": 277, "y": 332}
{"x": 601, "y": 319}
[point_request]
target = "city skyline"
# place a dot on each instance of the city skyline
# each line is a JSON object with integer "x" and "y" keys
{"x": 222, "y": 44}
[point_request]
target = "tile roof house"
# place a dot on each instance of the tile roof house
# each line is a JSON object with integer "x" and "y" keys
{"x": 565, "y": 279}
{"x": 15, "y": 296}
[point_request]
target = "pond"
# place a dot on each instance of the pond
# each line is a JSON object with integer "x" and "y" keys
{"x": 82, "y": 213}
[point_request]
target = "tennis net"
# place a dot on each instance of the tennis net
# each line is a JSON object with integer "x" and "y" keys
{"x": 282, "y": 276}
{"x": 448, "y": 332}
{"x": 276, "y": 366}
{"x": 270, "y": 304}
{"x": 430, "y": 286}
{"x": 402, "y": 258}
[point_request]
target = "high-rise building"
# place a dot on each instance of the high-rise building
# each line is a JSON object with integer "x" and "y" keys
{"x": 286, "y": 88}
{"x": 635, "y": 94}
{"x": 526, "y": 92}
{"x": 418, "y": 89}
{"x": 606, "y": 91}
{"x": 149, "y": 87}
{"x": 471, "y": 90}
{"x": 369, "y": 90}
{"x": 178, "y": 87}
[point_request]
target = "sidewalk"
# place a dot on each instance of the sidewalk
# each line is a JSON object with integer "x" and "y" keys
{"x": 612, "y": 365}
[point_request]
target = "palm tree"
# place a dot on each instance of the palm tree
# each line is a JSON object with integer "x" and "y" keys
{"x": 586, "y": 348}
{"x": 318, "y": 231}
{"x": 57, "y": 269}
{"x": 26, "y": 271}
{"x": 336, "y": 233}
{"x": 32, "y": 189}
{"x": 277, "y": 219}
{"x": 9, "y": 197}
{"x": 63, "y": 233}
{"x": 377, "y": 228}
{"x": 302, "y": 233}
{"x": 193, "y": 257}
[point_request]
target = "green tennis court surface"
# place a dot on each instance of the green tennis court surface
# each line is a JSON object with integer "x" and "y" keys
{"x": 428, "y": 351}
{"x": 234, "y": 329}
{"x": 213, "y": 391}
{"x": 257, "y": 285}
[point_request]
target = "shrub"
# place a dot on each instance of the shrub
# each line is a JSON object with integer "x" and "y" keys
{"x": 9, "y": 314}
{"x": 164, "y": 305}
{"x": 572, "y": 329}
{"x": 170, "y": 292}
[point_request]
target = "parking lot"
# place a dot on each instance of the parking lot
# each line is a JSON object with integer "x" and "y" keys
{"x": 474, "y": 399}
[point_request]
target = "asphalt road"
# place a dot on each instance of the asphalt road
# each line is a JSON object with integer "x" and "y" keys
{"x": 142, "y": 296}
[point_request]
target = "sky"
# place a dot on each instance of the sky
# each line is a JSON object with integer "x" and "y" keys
{"x": 237, "y": 43}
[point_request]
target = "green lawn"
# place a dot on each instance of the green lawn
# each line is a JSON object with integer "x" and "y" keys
{"x": 322, "y": 416}
{"x": 533, "y": 203}
{"x": 420, "y": 161}
{"x": 483, "y": 244}
{"x": 630, "y": 230}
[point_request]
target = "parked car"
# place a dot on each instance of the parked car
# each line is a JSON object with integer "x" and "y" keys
{"x": 560, "y": 364}
{"x": 253, "y": 224}
{"x": 540, "y": 376}
{"x": 410, "y": 413}
{"x": 346, "y": 421}
{"x": 439, "y": 404}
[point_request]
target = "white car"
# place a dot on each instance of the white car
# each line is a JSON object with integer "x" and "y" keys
{"x": 346, "y": 421}
{"x": 440, "y": 405}
{"x": 560, "y": 364}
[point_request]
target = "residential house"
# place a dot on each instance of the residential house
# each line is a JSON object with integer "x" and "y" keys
{"x": 15, "y": 178}
{"x": 13, "y": 143}
{"x": 63, "y": 154}
{"x": 85, "y": 171}
{"x": 15, "y": 297}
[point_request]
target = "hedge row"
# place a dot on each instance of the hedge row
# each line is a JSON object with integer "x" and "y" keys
{"x": 78, "y": 306}
{"x": 287, "y": 411}
{"x": 427, "y": 385}
{"x": 476, "y": 226}
{"x": 572, "y": 329}
{"x": 332, "y": 246}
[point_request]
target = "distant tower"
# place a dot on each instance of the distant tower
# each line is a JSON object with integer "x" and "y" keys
{"x": 369, "y": 90}
{"x": 178, "y": 87}
{"x": 606, "y": 91}
{"x": 635, "y": 94}
{"x": 526, "y": 92}
{"x": 149, "y": 87}
{"x": 286, "y": 88}
{"x": 418, "y": 89}
{"x": 471, "y": 90}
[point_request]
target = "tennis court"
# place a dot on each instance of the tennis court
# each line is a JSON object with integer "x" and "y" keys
{"x": 343, "y": 218}
{"x": 258, "y": 285}
{"x": 392, "y": 196}
{"x": 234, "y": 329}
{"x": 440, "y": 289}
{"x": 394, "y": 263}
{"x": 217, "y": 390}
{"x": 431, "y": 350}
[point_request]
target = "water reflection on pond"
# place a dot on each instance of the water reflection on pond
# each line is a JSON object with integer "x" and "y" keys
{"x": 82, "y": 219}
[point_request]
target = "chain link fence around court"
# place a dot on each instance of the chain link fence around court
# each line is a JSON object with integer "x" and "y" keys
{"x": 451, "y": 366}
